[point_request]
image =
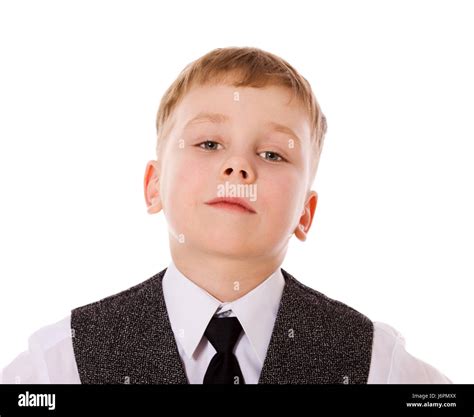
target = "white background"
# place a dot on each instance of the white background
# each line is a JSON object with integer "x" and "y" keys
{"x": 80, "y": 84}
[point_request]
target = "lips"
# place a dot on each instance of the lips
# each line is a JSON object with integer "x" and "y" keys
{"x": 232, "y": 201}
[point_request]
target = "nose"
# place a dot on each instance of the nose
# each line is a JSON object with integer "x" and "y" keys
{"x": 239, "y": 167}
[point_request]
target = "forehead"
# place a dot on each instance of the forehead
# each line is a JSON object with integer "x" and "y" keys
{"x": 270, "y": 105}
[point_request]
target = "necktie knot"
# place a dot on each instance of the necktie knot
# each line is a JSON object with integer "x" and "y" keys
{"x": 223, "y": 333}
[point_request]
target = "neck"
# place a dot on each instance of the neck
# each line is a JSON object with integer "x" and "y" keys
{"x": 225, "y": 278}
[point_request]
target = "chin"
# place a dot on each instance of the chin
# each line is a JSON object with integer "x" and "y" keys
{"x": 229, "y": 248}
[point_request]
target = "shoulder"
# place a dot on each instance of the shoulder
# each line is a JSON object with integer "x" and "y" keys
{"x": 392, "y": 364}
{"x": 319, "y": 303}
{"x": 119, "y": 304}
{"x": 48, "y": 359}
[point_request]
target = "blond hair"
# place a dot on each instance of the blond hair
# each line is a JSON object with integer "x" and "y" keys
{"x": 244, "y": 67}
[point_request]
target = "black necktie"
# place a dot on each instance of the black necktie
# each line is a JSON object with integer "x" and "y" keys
{"x": 224, "y": 368}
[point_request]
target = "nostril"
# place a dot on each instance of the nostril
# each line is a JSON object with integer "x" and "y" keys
{"x": 229, "y": 171}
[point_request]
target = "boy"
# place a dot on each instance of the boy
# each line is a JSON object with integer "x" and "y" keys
{"x": 240, "y": 135}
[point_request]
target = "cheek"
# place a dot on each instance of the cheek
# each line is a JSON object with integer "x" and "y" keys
{"x": 183, "y": 181}
{"x": 281, "y": 200}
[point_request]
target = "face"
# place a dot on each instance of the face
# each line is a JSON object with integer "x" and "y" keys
{"x": 228, "y": 141}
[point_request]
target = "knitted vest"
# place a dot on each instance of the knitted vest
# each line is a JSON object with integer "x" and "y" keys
{"x": 127, "y": 338}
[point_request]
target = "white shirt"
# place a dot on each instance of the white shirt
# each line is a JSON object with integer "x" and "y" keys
{"x": 50, "y": 356}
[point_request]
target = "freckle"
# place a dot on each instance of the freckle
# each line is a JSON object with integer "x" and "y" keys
{"x": 236, "y": 96}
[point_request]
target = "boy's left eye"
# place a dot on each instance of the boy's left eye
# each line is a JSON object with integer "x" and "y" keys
{"x": 272, "y": 156}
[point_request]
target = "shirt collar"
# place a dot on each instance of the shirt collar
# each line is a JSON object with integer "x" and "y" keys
{"x": 190, "y": 308}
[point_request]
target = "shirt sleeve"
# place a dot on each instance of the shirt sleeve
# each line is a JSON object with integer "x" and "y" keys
{"x": 48, "y": 360}
{"x": 392, "y": 364}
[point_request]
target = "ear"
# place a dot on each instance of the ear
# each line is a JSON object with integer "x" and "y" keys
{"x": 307, "y": 216}
{"x": 152, "y": 187}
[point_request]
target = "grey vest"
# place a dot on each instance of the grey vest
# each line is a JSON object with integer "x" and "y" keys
{"x": 127, "y": 338}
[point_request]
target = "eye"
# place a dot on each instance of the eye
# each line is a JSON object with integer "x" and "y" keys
{"x": 272, "y": 156}
{"x": 208, "y": 142}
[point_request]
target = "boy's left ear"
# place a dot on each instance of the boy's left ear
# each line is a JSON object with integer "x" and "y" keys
{"x": 307, "y": 217}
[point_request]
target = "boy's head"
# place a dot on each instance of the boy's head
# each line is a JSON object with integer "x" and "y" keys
{"x": 237, "y": 122}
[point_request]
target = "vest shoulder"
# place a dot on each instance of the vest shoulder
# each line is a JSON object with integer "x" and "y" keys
{"x": 319, "y": 302}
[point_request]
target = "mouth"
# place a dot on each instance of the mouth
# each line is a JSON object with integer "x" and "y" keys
{"x": 232, "y": 203}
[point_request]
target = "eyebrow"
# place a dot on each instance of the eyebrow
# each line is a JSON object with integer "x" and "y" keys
{"x": 277, "y": 127}
{"x": 219, "y": 118}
